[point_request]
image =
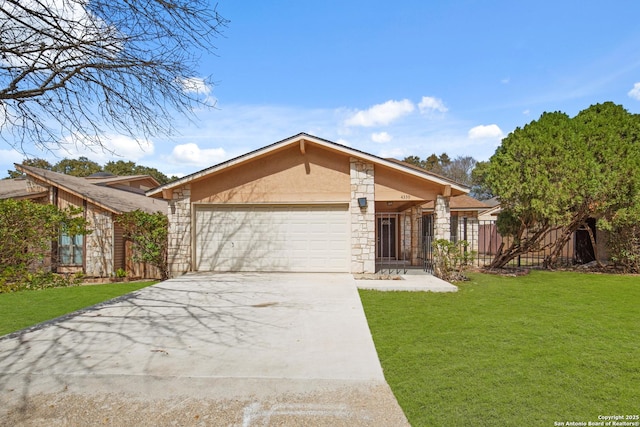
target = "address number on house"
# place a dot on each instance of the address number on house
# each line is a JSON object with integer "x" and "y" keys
{"x": 405, "y": 196}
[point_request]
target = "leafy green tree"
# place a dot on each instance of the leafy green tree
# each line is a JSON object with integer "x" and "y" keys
{"x": 444, "y": 160}
{"x": 414, "y": 160}
{"x": 479, "y": 188}
{"x": 149, "y": 234}
{"x": 561, "y": 171}
{"x": 123, "y": 168}
{"x": 432, "y": 163}
{"x": 80, "y": 167}
{"x": 624, "y": 237}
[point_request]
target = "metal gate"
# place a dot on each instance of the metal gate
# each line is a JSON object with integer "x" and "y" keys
{"x": 427, "y": 237}
{"x": 391, "y": 243}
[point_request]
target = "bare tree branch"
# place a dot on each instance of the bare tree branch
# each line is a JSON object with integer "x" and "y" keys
{"x": 76, "y": 67}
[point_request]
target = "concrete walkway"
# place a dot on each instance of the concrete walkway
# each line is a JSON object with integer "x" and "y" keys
{"x": 408, "y": 282}
{"x": 237, "y": 349}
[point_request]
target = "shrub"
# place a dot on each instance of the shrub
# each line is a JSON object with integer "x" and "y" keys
{"x": 26, "y": 232}
{"x": 148, "y": 233}
{"x": 624, "y": 247}
{"x": 624, "y": 237}
{"x": 14, "y": 280}
{"x": 451, "y": 259}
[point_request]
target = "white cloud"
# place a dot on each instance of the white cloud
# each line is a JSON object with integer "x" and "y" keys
{"x": 381, "y": 114}
{"x": 129, "y": 148}
{"x": 485, "y": 132}
{"x": 109, "y": 147}
{"x": 193, "y": 155}
{"x": 526, "y": 112}
{"x": 381, "y": 137}
{"x": 506, "y": 80}
{"x": 635, "y": 92}
{"x": 430, "y": 104}
{"x": 195, "y": 85}
{"x": 11, "y": 156}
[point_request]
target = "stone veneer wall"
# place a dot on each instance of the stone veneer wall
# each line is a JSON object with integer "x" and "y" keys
{"x": 99, "y": 243}
{"x": 407, "y": 235}
{"x": 363, "y": 225}
{"x": 442, "y": 218}
{"x": 179, "y": 214}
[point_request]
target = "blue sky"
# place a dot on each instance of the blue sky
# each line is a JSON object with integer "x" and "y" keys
{"x": 395, "y": 79}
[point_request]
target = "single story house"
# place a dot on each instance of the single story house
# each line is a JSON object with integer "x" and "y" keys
{"x": 302, "y": 204}
{"x": 102, "y": 197}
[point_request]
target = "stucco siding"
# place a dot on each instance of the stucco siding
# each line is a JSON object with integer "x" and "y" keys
{"x": 391, "y": 185}
{"x": 287, "y": 176}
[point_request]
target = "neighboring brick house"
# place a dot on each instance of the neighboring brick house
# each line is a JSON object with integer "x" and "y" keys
{"x": 302, "y": 204}
{"x": 102, "y": 197}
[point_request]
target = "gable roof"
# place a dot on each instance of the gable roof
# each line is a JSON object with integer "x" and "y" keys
{"x": 17, "y": 189}
{"x": 306, "y": 138}
{"x": 111, "y": 199}
{"x": 460, "y": 203}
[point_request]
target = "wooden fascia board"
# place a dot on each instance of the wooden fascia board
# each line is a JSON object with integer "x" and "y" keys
{"x": 302, "y": 140}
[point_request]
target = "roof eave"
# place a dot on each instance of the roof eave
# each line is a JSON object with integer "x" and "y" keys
{"x": 68, "y": 189}
{"x": 306, "y": 137}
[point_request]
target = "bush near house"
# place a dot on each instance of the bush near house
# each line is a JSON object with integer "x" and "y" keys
{"x": 624, "y": 238}
{"x": 26, "y": 232}
{"x": 149, "y": 234}
{"x": 451, "y": 259}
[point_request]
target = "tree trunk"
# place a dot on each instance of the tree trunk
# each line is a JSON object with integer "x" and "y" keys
{"x": 594, "y": 245}
{"x": 525, "y": 245}
{"x": 580, "y": 220}
{"x": 552, "y": 260}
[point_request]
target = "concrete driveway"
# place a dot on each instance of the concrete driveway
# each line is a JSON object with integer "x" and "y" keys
{"x": 204, "y": 349}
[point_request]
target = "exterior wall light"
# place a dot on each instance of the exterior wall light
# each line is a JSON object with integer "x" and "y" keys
{"x": 362, "y": 202}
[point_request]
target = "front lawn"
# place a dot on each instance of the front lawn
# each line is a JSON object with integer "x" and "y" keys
{"x": 26, "y": 308}
{"x": 534, "y": 350}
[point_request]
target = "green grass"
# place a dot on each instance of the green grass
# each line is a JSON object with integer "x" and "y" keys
{"x": 532, "y": 350}
{"x": 19, "y": 310}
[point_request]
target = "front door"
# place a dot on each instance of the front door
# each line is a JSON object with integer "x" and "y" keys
{"x": 386, "y": 237}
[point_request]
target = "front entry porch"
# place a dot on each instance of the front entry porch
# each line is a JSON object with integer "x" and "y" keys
{"x": 403, "y": 241}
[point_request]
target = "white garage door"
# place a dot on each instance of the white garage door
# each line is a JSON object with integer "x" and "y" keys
{"x": 272, "y": 238}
